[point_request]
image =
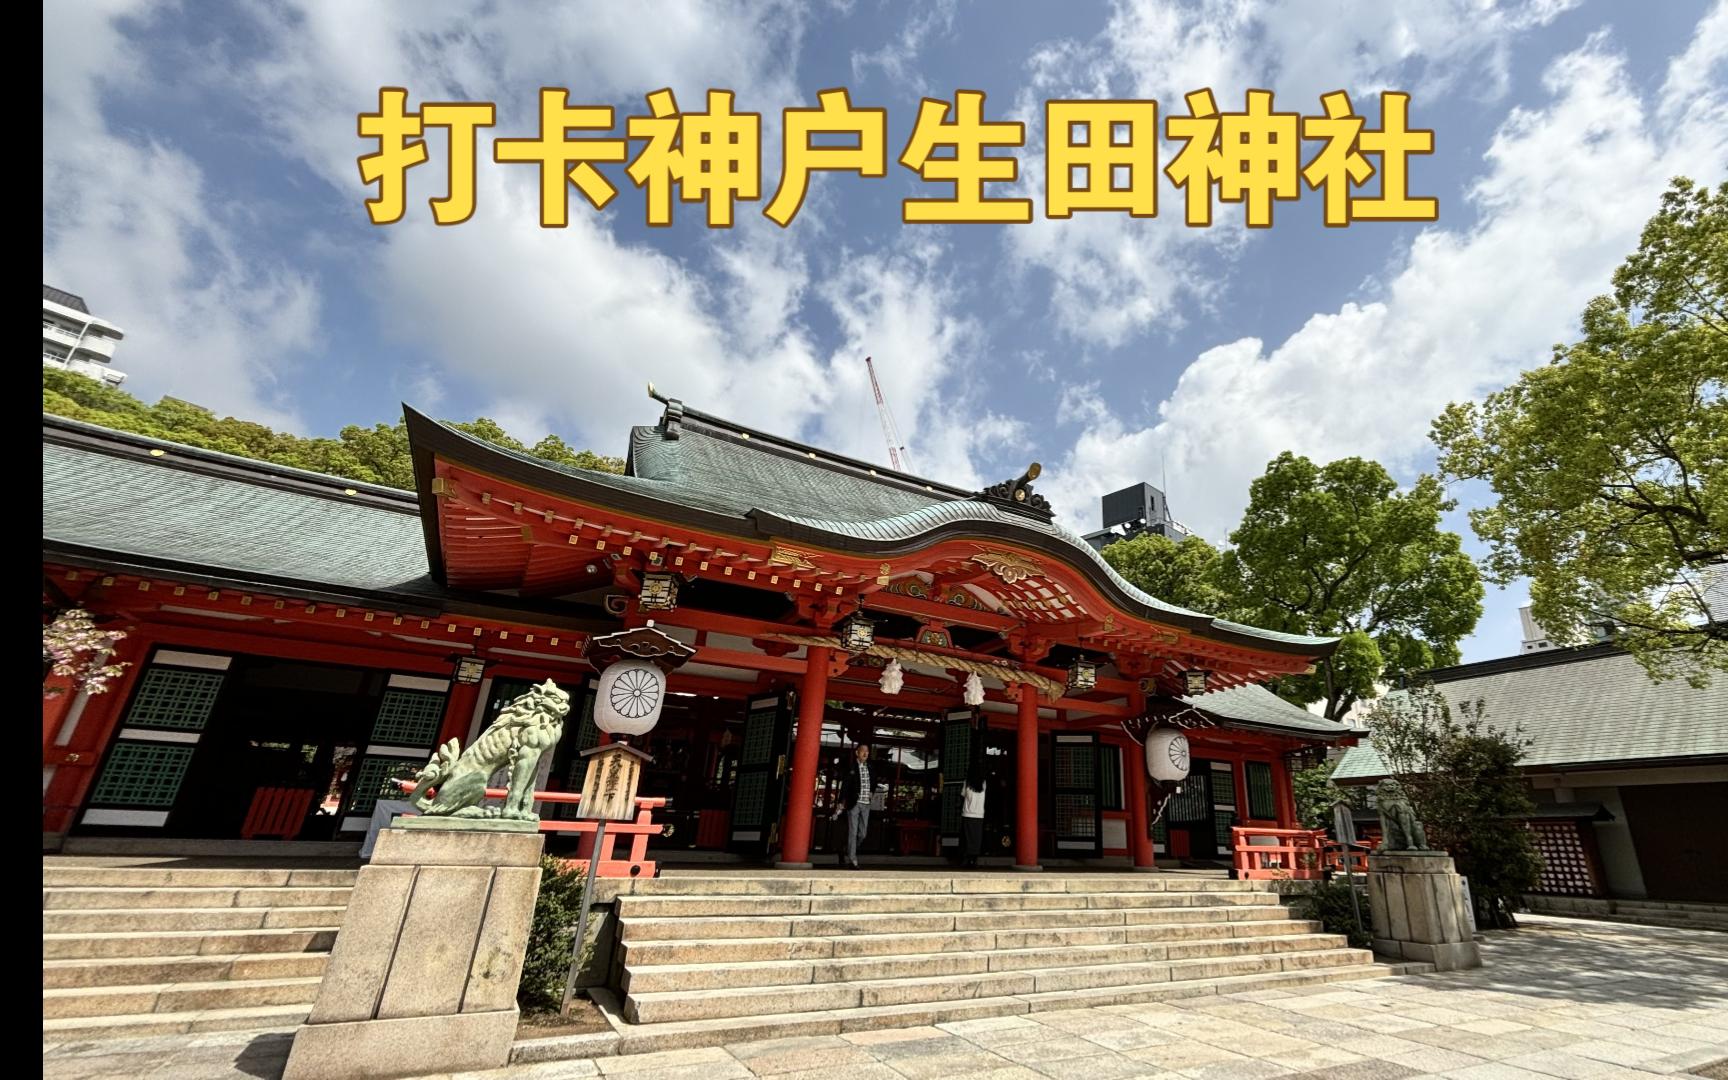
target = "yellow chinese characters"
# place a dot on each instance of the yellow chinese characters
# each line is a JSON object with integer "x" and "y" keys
{"x": 1099, "y": 155}
{"x": 966, "y": 136}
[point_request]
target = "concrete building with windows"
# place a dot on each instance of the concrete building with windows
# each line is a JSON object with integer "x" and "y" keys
{"x": 75, "y": 340}
{"x": 1133, "y": 511}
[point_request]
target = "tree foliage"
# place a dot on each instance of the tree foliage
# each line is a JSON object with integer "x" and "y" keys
{"x": 375, "y": 455}
{"x": 1316, "y": 794}
{"x": 1183, "y": 572}
{"x": 1338, "y": 549}
{"x": 1461, "y": 775}
{"x": 1608, "y": 463}
{"x": 551, "y": 935}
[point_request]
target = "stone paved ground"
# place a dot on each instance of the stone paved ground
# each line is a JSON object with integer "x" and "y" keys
{"x": 1562, "y": 999}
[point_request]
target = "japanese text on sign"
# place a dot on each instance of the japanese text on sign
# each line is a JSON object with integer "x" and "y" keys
{"x": 1099, "y": 156}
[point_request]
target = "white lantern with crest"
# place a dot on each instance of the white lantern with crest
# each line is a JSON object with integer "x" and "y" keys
{"x": 633, "y": 667}
{"x": 1167, "y": 755}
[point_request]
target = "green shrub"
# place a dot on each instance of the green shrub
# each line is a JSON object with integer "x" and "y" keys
{"x": 549, "y": 939}
{"x": 1328, "y": 903}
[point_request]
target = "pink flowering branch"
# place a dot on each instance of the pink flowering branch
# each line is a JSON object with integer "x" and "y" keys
{"x": 78, "y": 651}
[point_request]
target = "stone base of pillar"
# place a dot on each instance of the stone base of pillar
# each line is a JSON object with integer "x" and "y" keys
{"x": 1147, "y": 869}
{"x": 423, "y": 975}
{"x": 1416, "y": 904}
{"x": 794, "y": 866}
{"x": 1028, "y": 869}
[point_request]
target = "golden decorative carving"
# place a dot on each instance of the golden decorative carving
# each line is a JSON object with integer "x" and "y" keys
{"x": 1008, "y": 566}
{"x": 785, "y": 556}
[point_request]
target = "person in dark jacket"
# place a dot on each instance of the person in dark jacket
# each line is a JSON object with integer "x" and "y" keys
{"x": 855, "y": 793}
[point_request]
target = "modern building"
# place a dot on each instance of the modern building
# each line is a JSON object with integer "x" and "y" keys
{"x": 1630, "y": 776}
{"x": 75, "y": 340}
{"x": 299, "y": 639}
{"x": 1132, "y": 511}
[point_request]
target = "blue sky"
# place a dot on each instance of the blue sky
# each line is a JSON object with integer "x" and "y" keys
{"x": 200, "y": 190}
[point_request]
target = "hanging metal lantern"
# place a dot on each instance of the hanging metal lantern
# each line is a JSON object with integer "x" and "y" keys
{"x": 1167, "y": 755}
{"x": 470, "y": 669}
{"x": 857, "y": 632}
{"x": 659, "y": 592}
{"x": 1082, "y": 676}
{"x": 1194, "y": 682}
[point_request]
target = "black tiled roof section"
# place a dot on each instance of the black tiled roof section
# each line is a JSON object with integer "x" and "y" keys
{"x": 64, "y": 298}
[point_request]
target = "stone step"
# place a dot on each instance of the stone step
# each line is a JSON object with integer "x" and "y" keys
{"x": 664, "y": 928}
{"x": 115, "y": 877}
{"x": 719, "y": 976}
{"x": 78, "y": 897}
{"x": 148, "y": 1025}
{"x": 652, "y": 1038}
{"x": 925, "y": 903}
{"x": 115, "y": 1001}
{"x": 883, "y": 884}
{"x": 180, "y": 943}
{"x": 148, "y": 970}
{"x": 675, "y": 1006}
{"x": 638, "y": 954}
{"x": 98, "y": 920}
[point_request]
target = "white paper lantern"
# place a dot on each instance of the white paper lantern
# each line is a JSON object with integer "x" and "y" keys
{"x": 629, "y": 698}
{"x": 1167, "y": 755}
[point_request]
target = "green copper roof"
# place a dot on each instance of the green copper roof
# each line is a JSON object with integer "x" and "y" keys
{"x": 1256, "y": 706}
{"x": 227, "y": 514}
{"x": 1578, "y": 707}
{"x": 775, "y": 487}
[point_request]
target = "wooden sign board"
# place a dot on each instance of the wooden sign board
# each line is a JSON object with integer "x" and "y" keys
{"x": 609, "y": 789}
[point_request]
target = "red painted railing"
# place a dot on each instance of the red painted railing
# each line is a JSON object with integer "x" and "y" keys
{"x": 637, "y": 865}
{"x": 1296, "y": 854}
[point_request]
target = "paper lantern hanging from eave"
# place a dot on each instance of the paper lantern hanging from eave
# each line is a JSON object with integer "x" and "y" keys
{"x": 1167, "y": 754}
{"x": 629, "y": 698}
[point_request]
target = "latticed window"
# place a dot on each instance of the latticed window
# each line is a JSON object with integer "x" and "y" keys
{"x": 376, "y": 780}
{"x": 752, "y": 793}
{"x": 142, "y": 774}
{"x": 408, "y": 717}
{"x": 1110, "y": 777}
{"x": 176, "y": 699}
{"x": 1262, "y": 804}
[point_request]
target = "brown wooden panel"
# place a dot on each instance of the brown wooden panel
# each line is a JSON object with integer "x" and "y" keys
{"x": 1678, "y": 832}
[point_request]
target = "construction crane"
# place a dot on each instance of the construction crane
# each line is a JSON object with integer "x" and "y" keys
{"x": 897, "y": 455}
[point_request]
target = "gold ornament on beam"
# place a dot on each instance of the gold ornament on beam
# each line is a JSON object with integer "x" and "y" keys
{"x": 1008, "y": 566}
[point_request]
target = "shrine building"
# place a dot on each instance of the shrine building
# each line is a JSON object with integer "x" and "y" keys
{"x": 296, "y": 643}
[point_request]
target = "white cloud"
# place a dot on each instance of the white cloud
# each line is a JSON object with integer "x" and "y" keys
{"x": 133, "y": 225}
{"x": 897, "y": 60}
{"x": 1113, "y": 279}
{"x": 1565, "y": 189}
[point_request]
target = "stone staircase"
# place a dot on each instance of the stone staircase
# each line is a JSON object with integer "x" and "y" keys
{"x": 130, "y": 951}
{"x": 1672, "y": 914}
{"x": 731, "y": 957}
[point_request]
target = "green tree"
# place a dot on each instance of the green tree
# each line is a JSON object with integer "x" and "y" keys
{"x": 375, "y": 455}
{"x": 1316, "y": 794}
{"x": 1462, "y": 778}
{"x": 1338, "y": 549}
{"x": 1608, "y": 463}
{"x": 1183, "y": 572}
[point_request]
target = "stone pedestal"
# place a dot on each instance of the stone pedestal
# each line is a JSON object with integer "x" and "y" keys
{"x": 1416, "y": 902}
{"x": 423, "y": 975}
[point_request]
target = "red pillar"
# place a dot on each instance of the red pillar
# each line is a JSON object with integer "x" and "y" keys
{"x": 55, "y": 706}
{"x": 458, "y": 711}
{"x": 1026, "y": 753}
{"x": 1139, "y": 828}
{"x": 806, "y": 756}
{"x": 77, "y": 761}
{"x": 1283, "y": 791}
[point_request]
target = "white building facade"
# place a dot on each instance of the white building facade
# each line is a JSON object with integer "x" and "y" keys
{"x": 75, "y": 340}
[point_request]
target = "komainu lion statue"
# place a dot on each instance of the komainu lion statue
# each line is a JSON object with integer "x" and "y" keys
{"x": 453, "y": 783}
{"x": 1400, "y": 829}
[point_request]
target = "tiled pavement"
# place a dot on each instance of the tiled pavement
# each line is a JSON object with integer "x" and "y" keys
{"x": 1557, "y": 998}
